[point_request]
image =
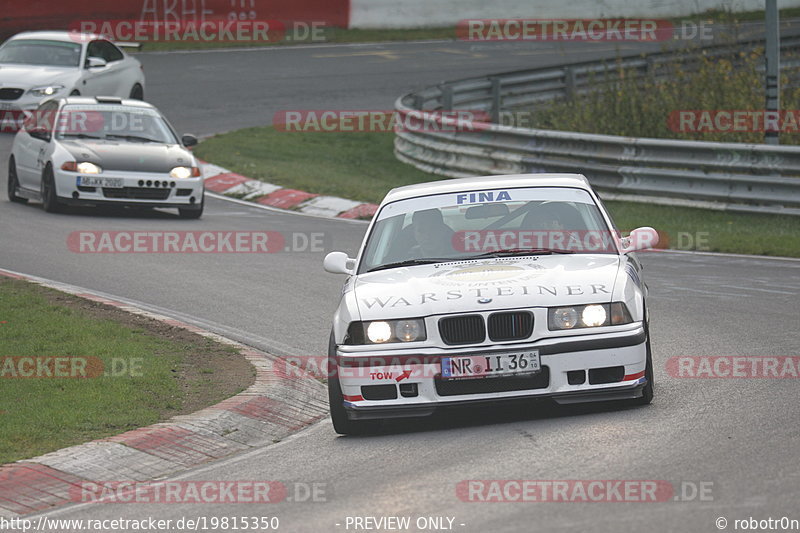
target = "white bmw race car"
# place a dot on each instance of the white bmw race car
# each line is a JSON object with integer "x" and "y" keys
{"x": 37, "y": 66}
{"x": 487, "y": 289}
{"x": 104, "y": 151}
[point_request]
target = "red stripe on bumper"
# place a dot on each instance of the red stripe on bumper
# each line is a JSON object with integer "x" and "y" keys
{"x": 634, "y": 376}
{"x": 358, "y": 398}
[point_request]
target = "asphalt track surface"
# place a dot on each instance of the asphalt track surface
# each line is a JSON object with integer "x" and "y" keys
{"x": 741, "y": 435}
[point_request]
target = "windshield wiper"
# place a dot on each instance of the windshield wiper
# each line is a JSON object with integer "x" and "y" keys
{"x": 134, "y": 138}
{"x": 508, "y": 252}
{"x": 408, "y": 262}
{"x": 80, "y": 136}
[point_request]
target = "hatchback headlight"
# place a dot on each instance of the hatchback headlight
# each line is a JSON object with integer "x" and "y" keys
{"x": 84, "y": 167}
{"x": 386, "y": 331}
{"x": 184, "y": 172}
{"x": 588, "y": 316}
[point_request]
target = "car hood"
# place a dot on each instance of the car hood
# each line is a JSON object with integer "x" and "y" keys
{"x": 130, "y": 156}
{"x": 28, "y": 76}
{"x": 482, "y": 285}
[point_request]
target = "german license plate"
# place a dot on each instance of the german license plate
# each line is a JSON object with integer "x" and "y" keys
{"x": 92, "y": 181}
{"x": 491, "y": 366}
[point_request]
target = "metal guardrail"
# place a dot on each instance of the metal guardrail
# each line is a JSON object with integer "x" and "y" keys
{"x": 732, "y": 176}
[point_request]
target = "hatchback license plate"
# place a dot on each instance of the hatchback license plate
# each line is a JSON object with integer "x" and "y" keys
{"x": 109, "y": 183}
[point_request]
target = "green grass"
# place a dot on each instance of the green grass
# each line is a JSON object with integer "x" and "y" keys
{"x": 623, "y": 103}
{"x": 358, "y": 166}
{"x": 362, "y": 166}
{"x": 713, "y": 231}
{"x": 38, "y": 415}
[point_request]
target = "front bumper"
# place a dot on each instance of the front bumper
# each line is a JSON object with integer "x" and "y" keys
{"x": 612, "y": 365}
{"x": 143, "y": 189}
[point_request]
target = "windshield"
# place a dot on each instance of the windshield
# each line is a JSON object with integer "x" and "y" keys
{"x": 489, "y": 223}
{"x": 113, "y": 122}
{"x": 40, "y": 52}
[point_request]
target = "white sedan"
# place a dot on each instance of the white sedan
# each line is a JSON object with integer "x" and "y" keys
{"x": 486, "y": 289}
{"x": 104, "y": 150}
{"x": 36, "y": 66}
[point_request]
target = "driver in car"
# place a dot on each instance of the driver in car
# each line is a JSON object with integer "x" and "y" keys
{"x": 434, "y": 238}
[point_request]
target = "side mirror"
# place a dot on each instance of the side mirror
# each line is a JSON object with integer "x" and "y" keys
{"x": 189, "y": 140}
{"x": 95, "y": 62}
{"x": 40, "y": 133}
{"x": 338, "y": 263}
{"x": 640, "y": 239}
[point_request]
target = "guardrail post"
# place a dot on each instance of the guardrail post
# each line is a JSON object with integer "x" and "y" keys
{"x": 495, "y": 110}
{"x": 569, "y": 81}
{"x": 447, "y": 97}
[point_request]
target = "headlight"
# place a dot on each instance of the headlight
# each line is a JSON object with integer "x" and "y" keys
{"x": 83, "y": 168}
{"x": 564, "y": 318}
{"x": 184, "y": 172}
{"x": 408, "y": 330}
{"x": 379, "y": 332}
{"x": 385, "y": 331}
{"x": 594, "y": 315}
{"x": 588, "y": 316}
{"x": 46, "y": 90}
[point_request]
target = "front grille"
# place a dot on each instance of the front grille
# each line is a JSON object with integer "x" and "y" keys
{"x": 136, "y": 193}
{"x": 490, "y": 385}
{"x": 10, "y": 94}
{"x": 183, "y": 192}
{"x": 512, "y": 326}
{"x": 467, "y": 329}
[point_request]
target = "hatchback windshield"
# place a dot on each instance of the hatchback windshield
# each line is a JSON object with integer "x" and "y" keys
{"x": 489, "y": 223}
{"x": 41, "y": 52}
{"x": 113, "y": 122}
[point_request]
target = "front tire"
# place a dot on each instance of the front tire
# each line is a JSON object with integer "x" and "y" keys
{"x": 647, "y": 391}
{"x": 341, "y": 423}
{"x": 13, "y": 183}
{"x": 50, "y": 201}
{"x": 137, "y": 92}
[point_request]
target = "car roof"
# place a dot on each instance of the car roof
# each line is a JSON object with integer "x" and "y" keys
{"x": 66, "y": 36}
{"x": 575, "y": 181}
{"x": 105, "y": 100}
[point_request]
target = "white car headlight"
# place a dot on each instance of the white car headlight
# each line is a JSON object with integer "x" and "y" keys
{"x": 383, "y": 331}
{"x": 588, "y": 316}
{"x": 184, "y": 172}
{"x": 594, "y": 315}
{"x": 88, "y": 168}
{"x": 46, "y": 90}
{"x": 379, "y": 332}
{"x": 408, "y": 330}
